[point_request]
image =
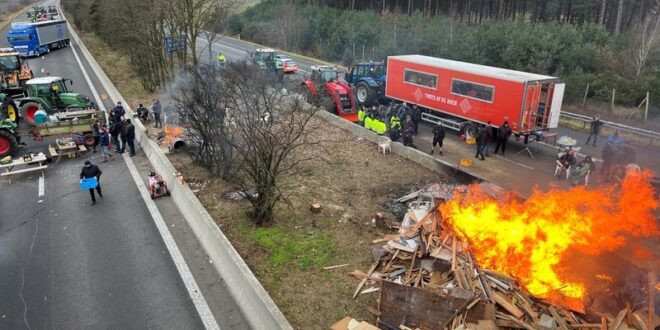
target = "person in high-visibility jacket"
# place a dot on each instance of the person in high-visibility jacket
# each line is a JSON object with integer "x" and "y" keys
{"x": 221, "y": 59}
{"x": 395, "y": 128}
{"x": 379, "y": 126}
{"x": 368, "y": 122}
{"x": 361, "y": 115}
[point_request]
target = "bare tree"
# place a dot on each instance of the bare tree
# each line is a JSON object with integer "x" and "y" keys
{"x": 271, "y": 130}
{"x": 647, "y": 39}
{"x": 619, "y": 17}
{"x": 195, "y": 16}
{"x": 202, "y": 111}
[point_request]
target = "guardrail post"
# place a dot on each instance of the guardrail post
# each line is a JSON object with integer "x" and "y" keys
{"x": 613, "y": 96}
{"x": 646, "y": 108}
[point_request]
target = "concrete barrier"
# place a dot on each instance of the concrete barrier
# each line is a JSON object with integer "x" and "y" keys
{"x": 438, "y": 165}
{"x": 253, "y": 300}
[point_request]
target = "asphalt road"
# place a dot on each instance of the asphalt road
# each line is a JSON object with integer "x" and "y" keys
{"x": 67, "y": 265}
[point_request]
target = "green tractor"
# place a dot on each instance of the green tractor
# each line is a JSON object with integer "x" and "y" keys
{"x": 8, "y": 137}
{"x": 267, "y": 60}
{"x": 50, "y": 94}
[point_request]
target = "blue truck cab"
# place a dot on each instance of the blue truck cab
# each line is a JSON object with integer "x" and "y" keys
{"x": 35, "y": 39}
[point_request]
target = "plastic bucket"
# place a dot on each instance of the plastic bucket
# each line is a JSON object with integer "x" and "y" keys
{"x": 40, "y": 117}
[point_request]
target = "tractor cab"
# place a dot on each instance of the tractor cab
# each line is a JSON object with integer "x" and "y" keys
{"x": 368, "y": 78}
{"x": 49, "y": 89}
{"x": 322, "y": 74}
{"x": 52, "y": 95}
{"x": 14, "y": 71}
{"x": 374, "y": 70}
{"x": 265, "y": 58}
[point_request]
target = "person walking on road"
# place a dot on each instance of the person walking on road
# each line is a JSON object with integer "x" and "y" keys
{"x": 130, "y": 136}
{"x": 156, "y": 108}
{"x": 502, "y": 136}
{"x": 106, "y": 145}
{"x": 438, "y": 138}
{"x": 594, "y": 129}
{"x": 481, "y": 142}
{"x": 92, "y": 171}
{"x": 416, "y": 117}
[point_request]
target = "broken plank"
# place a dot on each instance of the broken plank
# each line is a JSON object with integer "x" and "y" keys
{"x": 619, "y": 319}
{"x": 364, "y": 280}
{"x": 335, "y": 266}
{"x": 507, "y": 305}
{"x": 585, "y": 326}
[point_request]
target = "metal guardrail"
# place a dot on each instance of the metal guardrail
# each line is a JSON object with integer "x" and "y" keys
{"x": 621, "y": 127}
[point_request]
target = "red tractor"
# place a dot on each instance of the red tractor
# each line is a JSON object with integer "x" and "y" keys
{"x": 327, "y": 90}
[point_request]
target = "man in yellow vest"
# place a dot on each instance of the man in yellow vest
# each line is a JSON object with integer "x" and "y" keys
{"x": 361, "y": 115}
{"x": 368, "y": 122}
{"x": 395, "y": 128}
{"x": 222, "y": 59}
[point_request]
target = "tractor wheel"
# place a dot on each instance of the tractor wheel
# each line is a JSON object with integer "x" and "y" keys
{"x": 8, "y": 143}
{"x": 365, "y": 95}
{"x": 12, "y": 113}
{"x": 88, "y": 140}
{"x": 469, "y": 130}
{"x": 328, "y": 104}
{"x": 29, "y": 109}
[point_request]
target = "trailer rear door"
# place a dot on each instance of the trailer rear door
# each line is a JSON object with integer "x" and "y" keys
{"x": 555, "y": 108}
{"x": 530, "y": 108}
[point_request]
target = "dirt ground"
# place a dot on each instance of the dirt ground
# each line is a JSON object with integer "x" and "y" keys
{"x": 351, "y": 181}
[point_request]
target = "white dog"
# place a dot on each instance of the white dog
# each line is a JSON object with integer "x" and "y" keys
{"x": 384, "y": 145}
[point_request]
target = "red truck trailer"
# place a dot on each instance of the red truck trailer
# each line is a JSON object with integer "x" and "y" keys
{"x": 460, "y": 94}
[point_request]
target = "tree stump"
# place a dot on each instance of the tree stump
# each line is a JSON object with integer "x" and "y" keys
{"x": 315, "y": 208}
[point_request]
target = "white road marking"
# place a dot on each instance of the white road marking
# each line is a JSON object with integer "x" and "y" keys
{"x": 186, "y": 276}
{"x": 97, "y": 98}
{"x": 514, "y": 162}
{"x": 42, "y": 186}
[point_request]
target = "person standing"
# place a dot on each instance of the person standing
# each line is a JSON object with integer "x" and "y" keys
{"x": 416, "y": 117}
{"x": 92, "y": 171}
{"x": 594, "y": 129}
{"x": 105, "y": 144}
{"x": 481, "y": 141}
{"x": 130, "y": 136}
{"x": 490, "y": 136}
{"x": 157, "y": 110}
{"x": 503, "y": 133}
{"x": 438, "y": 138}
{"x": 361, "y": 114}
{"x": 122, "y": 135}
{"x": 115, "y": 130}
{"x": 96, "y": 134}
{"x": 119, "y": 111}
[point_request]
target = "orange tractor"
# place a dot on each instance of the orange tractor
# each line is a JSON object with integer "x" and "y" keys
{"x": 326, "y": 90}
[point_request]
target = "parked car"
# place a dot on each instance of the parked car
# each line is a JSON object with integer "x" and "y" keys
{"x": 289, "y": 66}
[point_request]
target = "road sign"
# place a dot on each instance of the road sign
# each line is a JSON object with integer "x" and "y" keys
{"x": 175, "y": 44}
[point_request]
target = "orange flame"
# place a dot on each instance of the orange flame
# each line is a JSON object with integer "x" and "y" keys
{"x": 172, "y": 133}
{"x": 529, "y": 240}
{"x": 605, "y": 277}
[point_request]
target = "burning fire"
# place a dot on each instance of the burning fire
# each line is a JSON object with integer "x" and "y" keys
{"x": 604, "y": 277}
{"x": 171, "y": 133}
{"x": 531, "y": 240}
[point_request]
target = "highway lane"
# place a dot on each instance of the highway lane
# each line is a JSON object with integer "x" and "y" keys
{"x": 67, "y": 265}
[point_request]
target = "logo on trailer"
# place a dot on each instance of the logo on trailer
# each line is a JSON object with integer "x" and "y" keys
{"x": 418, "y": 95}
{"x": 465, "y": 106}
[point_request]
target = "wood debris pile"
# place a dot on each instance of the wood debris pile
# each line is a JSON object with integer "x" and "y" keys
{"x": 426, "y": 278}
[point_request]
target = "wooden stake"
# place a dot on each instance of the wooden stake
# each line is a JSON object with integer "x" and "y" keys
{"x": 603, "y": 323}
{"x": 584, "y": 99}
{"x": 453, "y": 252}
{"x": 364, "y": 280}
{"x": 646, "y": 108}
{"x": 613, "y": 97}
{"x": 651, "y": 300}
{"x": 412, "y": 265}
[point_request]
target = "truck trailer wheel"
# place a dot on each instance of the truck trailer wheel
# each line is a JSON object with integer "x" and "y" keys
{"x": 469, "y": 130}
{"x": 365, "y": 95}
{"x": 29, "y": 109}
{"x": 8, "y": 143}
{"x": 88, "y": 140}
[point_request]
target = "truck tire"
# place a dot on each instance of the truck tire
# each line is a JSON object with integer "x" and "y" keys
{"x": 365, "y": 94}
{"x": 469, "y": 130}
{"x": 12, "y": 113}
{"x": 8, "y": 143}
{"x": 88, "y": 140}
{"x": 29, "y": 109}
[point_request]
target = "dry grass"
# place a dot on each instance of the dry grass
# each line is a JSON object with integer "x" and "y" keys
{"x": 348, "y": 178}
